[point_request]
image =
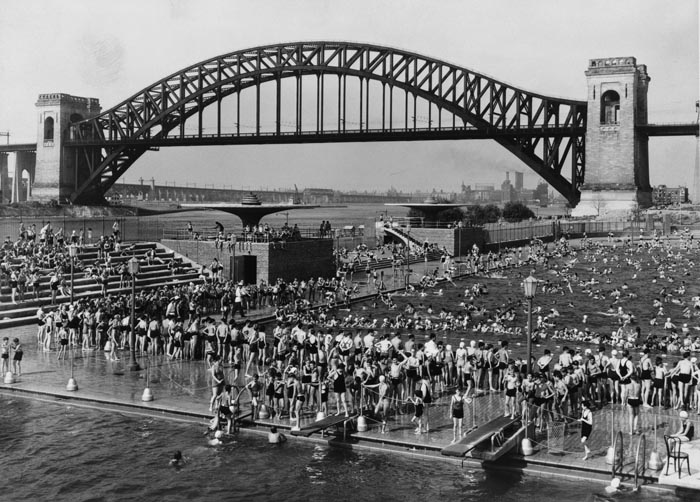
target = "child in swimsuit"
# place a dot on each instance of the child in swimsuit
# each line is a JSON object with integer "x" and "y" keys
{"x": 17, "y": 358}
{"x": 5, "y": 354}
{"x": 418, "y": 415}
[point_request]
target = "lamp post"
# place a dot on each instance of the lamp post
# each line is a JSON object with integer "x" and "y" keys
{"x": 72, "y": 253}
{"x": 407, "y": 274}
{"x": 133, "y": 270}
{"x": 530, "y": 288}
{"x": 337, "y": 249}
{"x": 459, "y": 238}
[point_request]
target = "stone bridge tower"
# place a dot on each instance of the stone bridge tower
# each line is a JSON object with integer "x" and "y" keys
{"x": 56, "y": 175}
{"x": 617, "y": 154}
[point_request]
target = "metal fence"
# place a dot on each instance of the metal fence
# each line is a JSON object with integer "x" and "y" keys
{"x": 133, "y": 228}
{"x": 559, "y": 435}
{"x": 523, "y": 231}
{"x": 595, "y": 228}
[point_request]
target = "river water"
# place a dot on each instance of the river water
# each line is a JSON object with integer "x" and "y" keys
{"x": 57, "y": 451}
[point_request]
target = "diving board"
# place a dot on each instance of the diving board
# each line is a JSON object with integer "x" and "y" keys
{"x": 322, "y": 425}
{"x": 472, "y": 439}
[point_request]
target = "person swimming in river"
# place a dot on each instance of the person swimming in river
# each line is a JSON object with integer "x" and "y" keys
{"x": 178, "y": 460}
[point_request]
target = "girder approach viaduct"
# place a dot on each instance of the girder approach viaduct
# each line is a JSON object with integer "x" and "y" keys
{"x": 318, "y": 92}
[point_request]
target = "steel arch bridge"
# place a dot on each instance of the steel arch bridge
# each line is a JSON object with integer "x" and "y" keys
{"x": 384, "y": 90}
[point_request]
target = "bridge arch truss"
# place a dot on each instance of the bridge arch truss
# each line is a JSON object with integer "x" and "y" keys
{"x": 357, "y": 92}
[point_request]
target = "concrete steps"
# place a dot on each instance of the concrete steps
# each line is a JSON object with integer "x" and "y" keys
{"x": 149, "y": 276}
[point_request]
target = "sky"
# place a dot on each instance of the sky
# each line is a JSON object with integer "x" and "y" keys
{"x": 111, "y": 50}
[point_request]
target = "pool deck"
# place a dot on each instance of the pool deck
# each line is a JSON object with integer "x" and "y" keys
{"x": 181, "y": 389}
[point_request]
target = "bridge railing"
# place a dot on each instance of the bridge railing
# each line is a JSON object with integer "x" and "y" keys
{"x": 176, "y": 137}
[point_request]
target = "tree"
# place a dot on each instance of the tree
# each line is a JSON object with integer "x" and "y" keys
{"x": 478, "y": 215}
{"x": 598, "y": 203}
{"x": 448, "y": 215}
{"x": 541, "y": 193}
{"x": 517, "y": 211}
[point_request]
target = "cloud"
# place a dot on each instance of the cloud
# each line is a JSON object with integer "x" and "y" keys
{"x": 102, "y": 59}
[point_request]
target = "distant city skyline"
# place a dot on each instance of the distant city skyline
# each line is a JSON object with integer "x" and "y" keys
{"x": 376, "y": 189}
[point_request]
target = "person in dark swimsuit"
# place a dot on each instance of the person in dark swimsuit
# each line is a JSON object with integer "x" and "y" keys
{"x": 426, "y": 390}
{"x": 586, "y": 427}
{"x": 418, "y": 414}
{"x": 17, "y": 357}
{"x": 634, "y": 399}
{"x": 254, "y": 388}
{"x": 457, "y": 411}
{"x": 686, "y": 431}
{"x": 337, "y": 377}
{"x": 217, "y": 381}
{"x": 5, "y": 350}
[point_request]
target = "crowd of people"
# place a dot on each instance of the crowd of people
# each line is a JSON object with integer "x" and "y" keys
{"x": 375, "y": 363}
{"x": 262, "y": 232}
{"x": 321, "y": 354}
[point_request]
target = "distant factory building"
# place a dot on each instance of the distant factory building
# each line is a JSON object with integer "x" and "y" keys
{"x": 663, "y": 195}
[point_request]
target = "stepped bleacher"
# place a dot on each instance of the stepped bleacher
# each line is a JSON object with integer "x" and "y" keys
{"x": 416, "y": 254}
{"x": 149, "y": 276}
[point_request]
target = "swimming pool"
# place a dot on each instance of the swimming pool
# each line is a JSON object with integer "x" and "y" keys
{"x": 58, "y": 451}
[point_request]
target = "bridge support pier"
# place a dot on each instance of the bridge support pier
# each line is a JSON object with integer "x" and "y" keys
{"x": 59, "y": 172}
{"x": 5, "y": 191}
{"x": 16, "y": 163}
{"x": 617, "y": 153}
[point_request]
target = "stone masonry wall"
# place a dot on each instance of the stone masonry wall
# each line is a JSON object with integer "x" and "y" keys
{"x": 300, "y": 260}
{"x": 614, "y": 157}
{"x": 451, "y": 239}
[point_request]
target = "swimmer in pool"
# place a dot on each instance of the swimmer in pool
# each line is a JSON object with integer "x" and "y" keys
{"x": 275, "y": 437}
{"x": 178, "y": 460}
{"x": 217, "y": 438}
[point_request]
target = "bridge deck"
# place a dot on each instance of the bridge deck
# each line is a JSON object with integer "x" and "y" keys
{"x": 18, "y": 147}
{"x": 335, "y": 136}
{"x": 670, "y": 129}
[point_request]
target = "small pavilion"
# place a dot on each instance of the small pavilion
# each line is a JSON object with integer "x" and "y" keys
{"x": 429, "y": 208}
{"x": 250, "y": 210}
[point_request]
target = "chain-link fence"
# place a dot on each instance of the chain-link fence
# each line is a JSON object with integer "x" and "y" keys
{"x": 557, "y": 434}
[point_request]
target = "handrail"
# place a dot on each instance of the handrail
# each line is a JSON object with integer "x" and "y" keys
{"x": 642, "y": 444}
{"x": 618, "y": 460}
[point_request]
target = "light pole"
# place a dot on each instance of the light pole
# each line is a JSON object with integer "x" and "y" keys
{"x": 337, "y": 250}
{"x": 133, "y": 270}
{"x": 407, "y": 275}
{"x": 72, "y": 385}
{"x": 459, "y": 238}
{"x": 530, "y": 288}
{"x": 72, "y": 253}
